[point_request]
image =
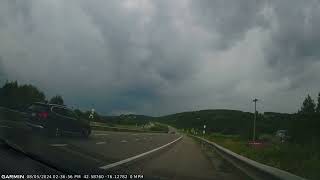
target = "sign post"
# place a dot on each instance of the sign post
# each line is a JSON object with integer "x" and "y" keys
{"x": 204, "y": 130}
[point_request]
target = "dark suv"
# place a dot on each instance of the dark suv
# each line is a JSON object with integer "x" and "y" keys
{"x": 55, "y": 120}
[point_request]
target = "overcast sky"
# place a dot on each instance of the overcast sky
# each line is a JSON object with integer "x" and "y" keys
{"x": 162, "y": 56}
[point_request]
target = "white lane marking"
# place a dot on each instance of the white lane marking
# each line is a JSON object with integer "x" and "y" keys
{"x": 58, "y": 145}
{"x": 134, "y": 134}
{"x": 4, "y": 126}
{"x": 102, "y": 142}
{"x": 124, "y": 141}
{"x": 108, "y": 166}
{"x": 102, "y": 134}
{"x": 137, "y": 139}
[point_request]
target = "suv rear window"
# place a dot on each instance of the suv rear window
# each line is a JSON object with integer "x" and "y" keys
{"x": 38, "y": 108}
{"x": 64, "y": 112}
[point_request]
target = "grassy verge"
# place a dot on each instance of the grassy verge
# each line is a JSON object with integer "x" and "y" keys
{"x": 297, "y": 159}
{"x": 159, "y": 127}
{"x": 108, "y": 128}
{"x": 115, "y": 125}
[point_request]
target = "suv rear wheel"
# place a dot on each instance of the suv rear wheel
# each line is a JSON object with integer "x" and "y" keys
{"x": 85, "y": 132}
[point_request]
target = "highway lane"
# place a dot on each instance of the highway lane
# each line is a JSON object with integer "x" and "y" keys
{"x": 120, "y": 145}
{"x": 183, "y": 160}
{"x": 112, "y": 147}
{"x": 85, "y": 155}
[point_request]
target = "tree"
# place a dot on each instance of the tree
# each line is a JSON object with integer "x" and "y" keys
{"x": 56, "y": 100}
{"x": 318, "y": 104}
{"x": 13, "y": 95}
{"x": 308, "y": 105}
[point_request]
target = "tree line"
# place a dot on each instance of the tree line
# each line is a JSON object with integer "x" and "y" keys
{"x": 16, "y": 96}
{"x": 19, "y": 96}
{"x": 303, "y": 126}
{"x": 309, "y": 106}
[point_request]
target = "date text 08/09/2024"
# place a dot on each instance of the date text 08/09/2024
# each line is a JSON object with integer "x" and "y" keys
{"x": 100, "y": 176}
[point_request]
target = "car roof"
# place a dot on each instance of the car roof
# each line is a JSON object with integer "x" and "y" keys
{"x": 51, "y": 105}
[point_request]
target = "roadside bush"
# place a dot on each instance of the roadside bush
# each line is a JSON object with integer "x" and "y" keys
{"x": 267, "y": 138}
{"x": 159, "y": 127}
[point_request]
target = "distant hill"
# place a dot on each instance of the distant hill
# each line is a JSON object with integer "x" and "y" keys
{"x": 216, "y": 120}
{"x": 229, "y": 121}
{"x": 129, "y": 119}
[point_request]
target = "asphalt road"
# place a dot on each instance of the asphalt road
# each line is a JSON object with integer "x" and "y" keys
{"x": 186, "y": 160}
{"x": 183, "y": 160}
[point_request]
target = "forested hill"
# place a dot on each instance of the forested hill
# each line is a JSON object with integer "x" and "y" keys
{"x": 228, "y": 121}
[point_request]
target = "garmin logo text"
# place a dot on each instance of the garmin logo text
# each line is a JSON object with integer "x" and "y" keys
{"x": 10, "y": 176}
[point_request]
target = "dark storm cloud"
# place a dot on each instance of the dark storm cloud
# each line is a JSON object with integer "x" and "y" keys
{"x": 2, "y": 73}
{"x": 230, "y": 19}
{"x": 158, "y": 57}
{"x": 296, "y": 37}
{"x": 295, "y": 40}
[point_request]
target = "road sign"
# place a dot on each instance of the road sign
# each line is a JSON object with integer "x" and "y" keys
{"x": 203, "y": 132}
{"x": 204, "y": 126}
{"x": 91, "y": 114}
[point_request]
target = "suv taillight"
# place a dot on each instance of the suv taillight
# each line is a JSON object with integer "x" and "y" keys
{"x": 43, "y": 115}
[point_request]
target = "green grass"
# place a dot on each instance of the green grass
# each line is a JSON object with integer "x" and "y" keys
{"x": 297, "y": 159}
{"x": 159, "y": 127}
{"x": 117, "y": 125}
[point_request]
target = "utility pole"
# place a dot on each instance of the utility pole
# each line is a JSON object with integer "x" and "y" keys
{"x": 204, "y": 130}
{"x": 255, "y": 118}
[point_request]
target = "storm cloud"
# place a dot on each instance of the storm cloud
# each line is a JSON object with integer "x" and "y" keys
{"x": 160, "y": 57}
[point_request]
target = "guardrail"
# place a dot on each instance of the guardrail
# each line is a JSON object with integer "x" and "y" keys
{"x": 252, "y": 168}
